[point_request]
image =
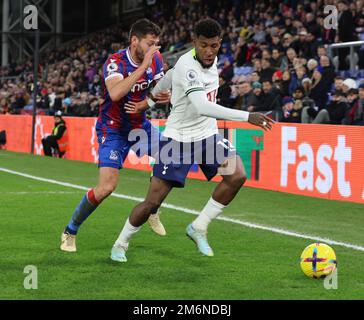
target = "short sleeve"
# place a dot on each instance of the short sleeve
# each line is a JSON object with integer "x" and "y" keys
{"x": 188, "y": 78}
{"x": 159, "y": 70}
{"x": 113, "y": 67}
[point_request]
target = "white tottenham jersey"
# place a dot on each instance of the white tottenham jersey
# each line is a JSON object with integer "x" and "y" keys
{"x": 184, "y": 124}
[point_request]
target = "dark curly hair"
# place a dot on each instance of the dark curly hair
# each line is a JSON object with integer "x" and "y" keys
{"x": 142, "y": 27}
{"x": 208, "y": 28}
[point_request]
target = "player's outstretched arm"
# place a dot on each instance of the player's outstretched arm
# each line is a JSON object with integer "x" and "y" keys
{"x": 163, "y": 84}
{"x": 119, "y": 87}
{"x": 209, "y": 109}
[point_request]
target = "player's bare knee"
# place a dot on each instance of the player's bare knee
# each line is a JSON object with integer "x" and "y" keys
{"x": 106, "y": 189}
{"x": 151, "y": 206}
{"x": 237, "y": 179}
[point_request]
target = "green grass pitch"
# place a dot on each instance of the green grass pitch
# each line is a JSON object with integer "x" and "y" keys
{"x": 248, "y": 263}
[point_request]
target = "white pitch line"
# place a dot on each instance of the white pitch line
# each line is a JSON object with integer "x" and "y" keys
{"x": 195, "y": 212}
{"x": 35, "y": 192}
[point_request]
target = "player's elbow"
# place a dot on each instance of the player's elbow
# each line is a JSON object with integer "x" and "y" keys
{"x": 199, "y": 111}
{"x": 115, "y": 97}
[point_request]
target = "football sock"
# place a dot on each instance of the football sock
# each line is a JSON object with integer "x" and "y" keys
{"x": 87, "y": 205}
{"x": 126, "y": 234}
{"x": 211, "y": 210}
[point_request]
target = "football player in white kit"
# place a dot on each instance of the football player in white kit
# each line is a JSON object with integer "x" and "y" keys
{"x": 192, "y": 135}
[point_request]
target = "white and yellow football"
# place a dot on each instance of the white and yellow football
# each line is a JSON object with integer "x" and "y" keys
{"x": 318, "y": 260}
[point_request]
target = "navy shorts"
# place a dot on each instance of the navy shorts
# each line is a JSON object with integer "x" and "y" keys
{"x": 175, "y": 159}
{"x": 114, "y": 147}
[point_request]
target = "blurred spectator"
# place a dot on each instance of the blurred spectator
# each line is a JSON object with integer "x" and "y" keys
{"x": 272, "y": 98}
{"x": 56, "y": 143}
{"x": 346, "y": 32}
{"x": 307, "y": 86}
{"x": 284, "y": 84}
{"x": 354, "y": 114}
{"x": 225, "y": 55}
{"x": 328, "y": 73}
{"x": 311, "y": 66}
{"x": 287, "y": 61}
{"x": 319, "y": 90}
{"x": 227, "y": 71}
{"x": 338, "y": 83}
{"x": 348, "y": 84}
{"x": 276, "y": 59}
{"x": 334, "y": 113}
{"x": 267, "y": 71}
{"x": 224, "y": 92}
{"x": 258, "y": 101}
{"x": 246, "y": 96}
{"x": 296, "y": 79}
{"x": 292, "y": 107}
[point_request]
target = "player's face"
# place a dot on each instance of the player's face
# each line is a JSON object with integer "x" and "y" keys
{"x": 144, "y": 44}
{"x": 207, "y": 49}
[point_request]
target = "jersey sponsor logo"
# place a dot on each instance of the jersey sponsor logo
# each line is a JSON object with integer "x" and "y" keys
{"x": 191, "y": 75}
{"x": 112, "y": 67}
{"x": 141, "y": 86}
{"x": 194, "y": 83}
{"x": 114, "y": 155}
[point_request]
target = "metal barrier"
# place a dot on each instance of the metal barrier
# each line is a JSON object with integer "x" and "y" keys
{"x": 350, "y": 45}
{"x": 172, "y": 57}
{"x": 9, "y": 78}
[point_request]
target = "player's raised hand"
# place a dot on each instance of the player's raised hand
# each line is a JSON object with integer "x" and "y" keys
{"x": 163, "y": 97}
{"x": 148, "y": 57}
{"x": 261, "y": 120}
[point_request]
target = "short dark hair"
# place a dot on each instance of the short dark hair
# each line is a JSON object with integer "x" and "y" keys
{"x": 208, "y": 28}
{"x": 353, "y": 91}
{"x": 344, "y": 2}
{"x": 142, "y": 27}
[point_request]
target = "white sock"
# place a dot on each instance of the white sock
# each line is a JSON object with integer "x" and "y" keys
{"x": 126, "y": 234}
{"x": 211, "y": 210}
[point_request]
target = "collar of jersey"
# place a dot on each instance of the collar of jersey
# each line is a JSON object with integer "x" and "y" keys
{"x": 132, "y": 62}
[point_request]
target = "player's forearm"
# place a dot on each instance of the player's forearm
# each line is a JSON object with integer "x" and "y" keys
{"x": 163, "y": 84}
{"x": 213, "y": 110}
{"x": 122, "y": 87}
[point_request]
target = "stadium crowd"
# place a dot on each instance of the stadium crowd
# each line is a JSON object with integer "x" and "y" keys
{"x": 273, "y": 59}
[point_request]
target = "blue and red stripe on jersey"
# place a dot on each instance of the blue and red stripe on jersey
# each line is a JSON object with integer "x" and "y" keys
{"x": 112, "y": 116}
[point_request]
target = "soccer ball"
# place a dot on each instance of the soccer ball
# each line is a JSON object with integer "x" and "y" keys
{"x": 318, "y": 260}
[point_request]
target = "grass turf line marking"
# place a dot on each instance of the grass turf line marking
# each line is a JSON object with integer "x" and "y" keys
{"x": 18, "y": 193}
{"x": 195, "y": 212}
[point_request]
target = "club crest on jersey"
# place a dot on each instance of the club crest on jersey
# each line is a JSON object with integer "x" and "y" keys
{"x": 112, "y": 67}
{"x": 114, "y": 155}
{"x": 191, "y": 75}
{"x": 165, "y": 168}
{"x": 149, "y": 70}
